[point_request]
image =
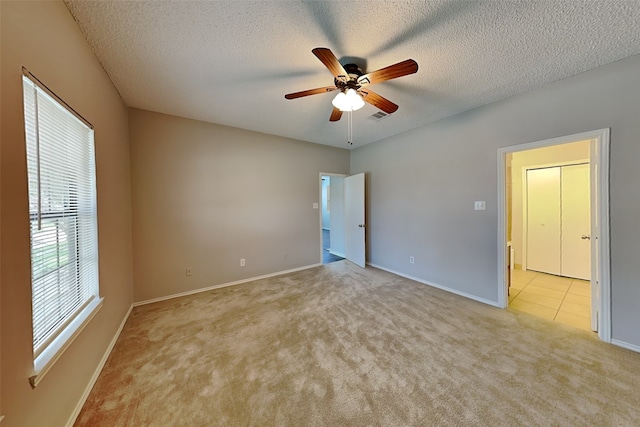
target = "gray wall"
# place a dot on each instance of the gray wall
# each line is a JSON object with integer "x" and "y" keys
{"x": 43, "y": 37}
{"x": 422, "y": 185}
{"x": 205, "y": 195}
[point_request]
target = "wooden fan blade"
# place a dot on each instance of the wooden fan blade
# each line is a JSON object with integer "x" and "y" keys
{"x": 310, "y": 92}
{"x": 387, "y": 73}
{"x": 378, "y": 101}
{"x": 331, "y": 62}
{"x": 335, "y": 115}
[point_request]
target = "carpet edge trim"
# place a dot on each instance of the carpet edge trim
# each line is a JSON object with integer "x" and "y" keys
{"x": 224, "y": 285}
{"x": 441, "y": 287}
{"x": 96, "y": 374}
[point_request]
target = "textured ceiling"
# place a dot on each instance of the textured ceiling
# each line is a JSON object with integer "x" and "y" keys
{"x": 231, "y": 62}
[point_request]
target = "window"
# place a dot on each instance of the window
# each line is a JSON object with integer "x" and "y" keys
{"x": 63, "y": 218}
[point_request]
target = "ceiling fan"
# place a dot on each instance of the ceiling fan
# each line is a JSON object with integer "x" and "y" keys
{"x": 353, "y": 84}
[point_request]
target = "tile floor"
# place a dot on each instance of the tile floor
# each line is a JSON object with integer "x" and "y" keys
{"x": 562, "y": 299}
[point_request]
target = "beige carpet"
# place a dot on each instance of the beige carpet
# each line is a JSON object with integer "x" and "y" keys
{"x": 341, "y": 346}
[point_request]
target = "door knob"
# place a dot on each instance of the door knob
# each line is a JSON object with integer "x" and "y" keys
{"x": 585, "y": 237}
{"x": 361, "y": 225}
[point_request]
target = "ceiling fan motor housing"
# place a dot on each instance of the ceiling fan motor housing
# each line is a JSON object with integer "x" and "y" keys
{"x": 351, "y": 80}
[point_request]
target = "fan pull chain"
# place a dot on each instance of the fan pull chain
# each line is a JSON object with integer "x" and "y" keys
{"x": 350, "y": 128}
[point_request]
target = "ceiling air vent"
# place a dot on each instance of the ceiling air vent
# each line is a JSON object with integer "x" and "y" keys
{"x": 378, "y": 116}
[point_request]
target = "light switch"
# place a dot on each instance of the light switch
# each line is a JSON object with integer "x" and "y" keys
{"x": 315, "y": 206}
{"x": 480, "y": 205}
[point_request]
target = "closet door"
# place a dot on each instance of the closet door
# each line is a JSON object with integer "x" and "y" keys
{"x": 543, "y": 220}
{"x": 576, "y": 222}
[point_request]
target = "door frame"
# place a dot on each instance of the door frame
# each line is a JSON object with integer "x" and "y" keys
{"x": 525, "y": 216}
{"x": 339, "y": 175}
{"x": 599, "y": 158}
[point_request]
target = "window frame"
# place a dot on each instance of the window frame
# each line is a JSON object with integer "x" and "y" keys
{"x": 85, "y": 296}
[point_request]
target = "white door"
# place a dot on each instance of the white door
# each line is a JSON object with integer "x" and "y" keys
{"x": 336, "y": 202}
{"x": 543, "y": 220}
{"x": 576, "y": 222}
{"x": 354, "y": 219}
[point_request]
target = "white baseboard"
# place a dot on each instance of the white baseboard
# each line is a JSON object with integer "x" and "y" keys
{"x": 435, "y": 285}
{"x": 223, "y": 285}
{"x": 98, "y": 370}
{"x": 626, "y": 345}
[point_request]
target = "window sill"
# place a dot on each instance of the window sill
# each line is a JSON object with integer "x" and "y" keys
{"x": 45, "y": 361}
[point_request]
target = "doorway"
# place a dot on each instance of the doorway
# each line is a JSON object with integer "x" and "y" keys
{"x": 553, "y": 263}
{"x": 512, "y": 249}
{"x": 343, "y": 202}
{"x": 332, "y": 218}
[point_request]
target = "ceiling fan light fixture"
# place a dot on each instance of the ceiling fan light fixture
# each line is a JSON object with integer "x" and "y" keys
{"x": 348, "y": 101}
{"x": 355, "y": 100}
{"x": 340, "y": 102}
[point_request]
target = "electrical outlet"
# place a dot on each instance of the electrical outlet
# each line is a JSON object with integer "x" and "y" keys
{"x": 479, "y": 205}
{"x": 412, "y": 260}
{"x": 188, "y": 271}
{"x": 242, "y": 262}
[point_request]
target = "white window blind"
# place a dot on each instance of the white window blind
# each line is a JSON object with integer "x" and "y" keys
{"x": 63, "y": 216}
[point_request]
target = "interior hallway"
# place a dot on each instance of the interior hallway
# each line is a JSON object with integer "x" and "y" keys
{"x": 562, "y": 299}
{"x": 327, "y": 256}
